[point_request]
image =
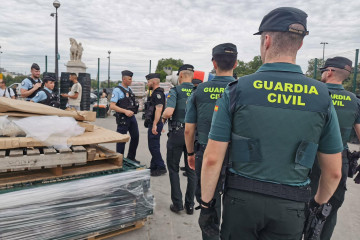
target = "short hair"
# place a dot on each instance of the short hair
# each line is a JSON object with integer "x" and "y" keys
{"x": 285, "y": 42}
{"x": 157, "y": 80}
{"x": 225, "y": 62}
{"x": 341, "y": 74}
{"x": 187, "y": 73}
{"x": 73, "y": 74}
{"x": 125, "y": 77}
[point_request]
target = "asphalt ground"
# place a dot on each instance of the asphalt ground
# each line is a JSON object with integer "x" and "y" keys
{"x": 164, "y": 224}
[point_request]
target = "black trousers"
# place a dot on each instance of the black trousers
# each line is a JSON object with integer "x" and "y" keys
{"x": 175, "y": 147}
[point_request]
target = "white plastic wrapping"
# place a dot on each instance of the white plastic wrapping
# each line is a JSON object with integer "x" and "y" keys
{"x": 75, "y": 209}
{"x": 52, "y": 130}
{"x": 8, "y": 128}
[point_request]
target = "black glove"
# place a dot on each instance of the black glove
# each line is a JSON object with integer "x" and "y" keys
{"x": 357, "y": 178}
{"x": 209, "y": 221}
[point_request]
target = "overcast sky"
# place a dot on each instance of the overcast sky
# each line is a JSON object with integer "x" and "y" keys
{"x": 137, "y": 31}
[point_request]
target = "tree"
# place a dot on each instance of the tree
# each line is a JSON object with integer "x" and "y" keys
{"x": 311, "y": 68}
{"x": 246, "y": 68}
{"x": 167, "y": 62}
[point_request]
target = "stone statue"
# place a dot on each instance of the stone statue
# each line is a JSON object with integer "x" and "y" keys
{"x": 75, "y": 64}
{"x": 76, "y": 50}
{"x": 73, "y": 49}
{"x": 80, "y": 50}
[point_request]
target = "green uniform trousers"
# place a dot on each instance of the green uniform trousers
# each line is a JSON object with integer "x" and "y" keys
{"x": 253, "y": 216}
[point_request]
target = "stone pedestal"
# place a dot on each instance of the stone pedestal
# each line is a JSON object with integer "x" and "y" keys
{"x": 76, "y": 67}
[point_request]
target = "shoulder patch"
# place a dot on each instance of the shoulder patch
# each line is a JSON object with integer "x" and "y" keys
{"x": 158, "y": 96}
{"x": 113, "y": 95}
{"x": 22, "y": 83}
{"x": 37, "y": 94}
{"x": 168, "y": 96}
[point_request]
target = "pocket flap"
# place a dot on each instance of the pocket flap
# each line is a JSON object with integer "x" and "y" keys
{"x": 306, "y": 153}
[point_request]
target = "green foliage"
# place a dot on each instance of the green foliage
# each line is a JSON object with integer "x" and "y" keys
{"x": 311, "y": 68}
{"x": 167, "y": 62}
{"x": 246, "y": 68}
{"x": 103, "y": 84}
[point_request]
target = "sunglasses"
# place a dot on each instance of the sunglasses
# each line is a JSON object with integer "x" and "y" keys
{"x": 333, "y": 70}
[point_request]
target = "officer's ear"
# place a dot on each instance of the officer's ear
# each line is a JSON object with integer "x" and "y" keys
{"x": 215, "y": 64}
{"x": 267, "y": 41}
{"x": 235, "y": 64}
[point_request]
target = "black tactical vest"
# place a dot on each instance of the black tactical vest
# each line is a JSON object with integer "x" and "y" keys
{"x": 37, "y": 90}
{"x": 129, "y": 101}
{"x": 51, "y": 99}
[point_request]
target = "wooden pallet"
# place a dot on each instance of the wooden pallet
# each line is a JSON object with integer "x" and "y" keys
{"x": 11, "y": 180}
{"x": 39, "y": 158}
{"x": 113, "y": 233}
{"x": 54, "y": 160}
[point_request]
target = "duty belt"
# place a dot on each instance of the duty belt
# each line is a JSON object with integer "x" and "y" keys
{"x": 299, "y": 194}
{"x": 176, "y": 125}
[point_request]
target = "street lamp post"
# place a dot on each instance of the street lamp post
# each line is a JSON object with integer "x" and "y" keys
{"x": 324, "y": 43}
{"x": 0, "y": 59}
{"x": 56, "y": 4}
{"x": 109, "y": 70}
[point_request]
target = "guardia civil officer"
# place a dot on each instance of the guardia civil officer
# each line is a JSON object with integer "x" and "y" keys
{"x": 124, "y": 104}
{"x": 175, "y": 112}
{"x": 46, "y": 95}
{"x": 155, "y": 107}
{"x": 274, "y": 122}
{"x": 200, "y": 109}
{"x": 347, "y": 107}
{"x": 31, "y": 85}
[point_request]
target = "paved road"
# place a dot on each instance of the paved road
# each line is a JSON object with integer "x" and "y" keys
{"x": 165, "y": 224}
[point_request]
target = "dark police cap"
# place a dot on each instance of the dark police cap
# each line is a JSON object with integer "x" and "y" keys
{"x": 337, "y": 62}
{"x": 225, "y": 49}
{"x": 280, "y": 19}
{"x": 186, "y": 67}
{"x": 152, "y": 75}
{"x": 48, "y": 78}
{"x": 35, "y": 66}
{"x": 127, "y": 73}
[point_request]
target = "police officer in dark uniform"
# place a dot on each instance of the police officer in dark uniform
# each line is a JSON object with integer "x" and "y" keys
{"x": 274, "y": 122}
{"x": 46, "y": 95}
{"x": 175, "y": 112}
{"x": 124, "y": 104}
{"x": 200, "y": 109}
{"x": 31, "y": 85}
{"x": 347, "y": 106}
{"x": 153, "y": 111}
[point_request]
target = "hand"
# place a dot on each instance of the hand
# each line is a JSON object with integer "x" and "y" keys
{"x": 209, "y": 221}
{"x": 37, "y": 85}
{"x": 191, "y": 162}
{"x": 129, "y": 113}
{"x": 357, "y": 178}
{"x": 154, "y": 128}
{"x": 64, "y": 95}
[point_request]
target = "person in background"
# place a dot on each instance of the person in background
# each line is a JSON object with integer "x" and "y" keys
{"x": 156, "y": 106}
{"x": 74, "y": 96}
{"x": 46, "y": 95}
{"x": 31, "y": 85}
{"x": 175, "y": 113}
{"x": 347, "y": 106}
{"x": 123, "y": 102}
{"x": 5, "y": 91}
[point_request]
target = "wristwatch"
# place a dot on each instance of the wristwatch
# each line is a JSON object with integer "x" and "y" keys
{"x": 191, "y": 154}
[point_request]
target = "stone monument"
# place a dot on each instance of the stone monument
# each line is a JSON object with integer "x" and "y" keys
{"x": 75, "y": 65}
